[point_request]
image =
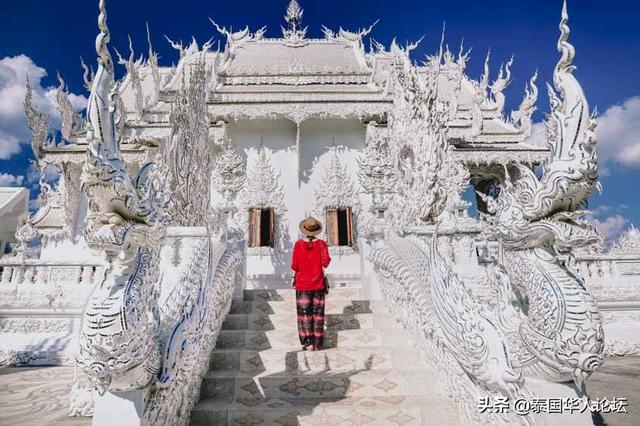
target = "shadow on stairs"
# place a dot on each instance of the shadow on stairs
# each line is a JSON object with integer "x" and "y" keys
{"x": 368, "y": 372}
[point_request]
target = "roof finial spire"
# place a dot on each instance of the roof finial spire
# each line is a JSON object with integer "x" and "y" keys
{"x": 294, "y": 15}
{"x": 103, "y": 38}
{"x": 295, "y": 34}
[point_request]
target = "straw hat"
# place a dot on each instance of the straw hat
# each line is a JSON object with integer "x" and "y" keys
{"x": 310, "y": 227}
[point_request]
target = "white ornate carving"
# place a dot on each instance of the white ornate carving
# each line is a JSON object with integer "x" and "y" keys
{"x": 522, "y": 117}
{"x": 81, "y": 400}
{"x": 554, "y": 334}
{"x": 628, "y": 242}
{"x": 376, "y": 167}
{"x": 536, "y": 212}
{"x": 336, "y": 190}
{"x": 263, "y": 189}
{"x": 501, "y": 83}
{"x": 418, "y": 128}
{"x": 622, "y": 348}
{"x": 133, "y": 74}
{"x": 229, "y": 174}
{"x": 34, "y": 325}
{"x": 38, "y": 123}
{"x": 203, "y": 300}
{"x": 71, "y": 122}
{"x": 118, "y": 346}
{"x": 294, "y": 35}
{"x": 129, "y": 340}
{"x": 187, "y": 155}
{"x": 534, "y": 218}
{"x": 455, "y": 331}
{"x": 455, "y": 178}
{"x": 152, "y": 62}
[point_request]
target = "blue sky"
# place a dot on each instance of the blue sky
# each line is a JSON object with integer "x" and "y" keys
{"x": 52, "y": 35}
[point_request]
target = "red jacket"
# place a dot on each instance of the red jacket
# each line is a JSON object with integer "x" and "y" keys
{"x": 309, "y": 264}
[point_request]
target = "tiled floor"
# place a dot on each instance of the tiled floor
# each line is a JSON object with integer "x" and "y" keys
{"x": 36, "y": 396}
{"x": 40, "y": 396}
{"x": 618, "y": 377}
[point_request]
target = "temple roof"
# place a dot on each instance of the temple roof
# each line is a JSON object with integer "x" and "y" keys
{"x": 275, "y": 57}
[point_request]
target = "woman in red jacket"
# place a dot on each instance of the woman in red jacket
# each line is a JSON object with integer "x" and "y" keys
{"x": 310, "y": 257}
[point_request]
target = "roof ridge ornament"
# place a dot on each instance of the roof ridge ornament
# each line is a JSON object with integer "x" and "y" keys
{"x": 294, "y": 35}
{"x": 351, "y": 36}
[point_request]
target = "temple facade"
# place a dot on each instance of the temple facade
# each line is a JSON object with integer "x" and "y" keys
{"x": 214, "y": 162}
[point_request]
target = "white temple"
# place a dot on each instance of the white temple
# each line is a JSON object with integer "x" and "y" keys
{"x": 178, "y": 202}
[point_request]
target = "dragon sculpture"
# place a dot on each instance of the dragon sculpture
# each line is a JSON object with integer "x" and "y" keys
{"x": 119, "y": 346}
{"x": 145, "y": 328}
{"x": 545, "y": 325}
{"x": 535, "y": 220}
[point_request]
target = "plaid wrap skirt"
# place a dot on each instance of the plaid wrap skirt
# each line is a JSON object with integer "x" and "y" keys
{"x": 310, "y": 308}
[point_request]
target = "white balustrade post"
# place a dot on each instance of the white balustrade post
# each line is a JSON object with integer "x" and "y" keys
{"x": 6, "y": 274}
{"x": 29, "y": 274}
{"x": 77, "y": 274}
{"x": 87, "y": 274}
{"x": 42, "y": 274}
{"x": 18, "y": 274}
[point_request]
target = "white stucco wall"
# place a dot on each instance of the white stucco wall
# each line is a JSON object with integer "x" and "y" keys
{"x": 301, "y": 179}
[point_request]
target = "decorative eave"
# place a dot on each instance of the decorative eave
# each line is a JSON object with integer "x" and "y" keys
{"x": 499, "y": 153}
{"x": 76, "y": 154}
{"x": 298, "y": 111}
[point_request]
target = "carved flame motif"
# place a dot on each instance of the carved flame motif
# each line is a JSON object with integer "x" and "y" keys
{"x": 230, "y": 170}
{"x": 71, "y": 121}
{"x": 294, "y": 34}
{"x": 188, "y": 153}
{"x": 418, "y": 127}
{"x": 38, "y": 123}
{"x": 376, "y": 167}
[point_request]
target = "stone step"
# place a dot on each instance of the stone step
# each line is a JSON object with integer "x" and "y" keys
{"x": 288, "y": 339}
{"x": 288, "y": 320}
{"x": 289, "y": 294}
{"x": 228, "y": 386}
{"x": 379, "y": 410}
{"x": 333, "y": 305}
{"x": 299, "y": 362}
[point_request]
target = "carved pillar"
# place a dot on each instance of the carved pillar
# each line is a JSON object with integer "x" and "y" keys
{"x": 229, "y": 174}
{"x": 376, "y": 170}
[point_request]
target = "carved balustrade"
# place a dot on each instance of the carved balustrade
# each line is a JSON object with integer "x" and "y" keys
{"x": 36, "y": 271}
{"x": 596, "y": 267}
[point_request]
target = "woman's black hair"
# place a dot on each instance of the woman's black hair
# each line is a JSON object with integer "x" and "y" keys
{"x": 310, "y": 242}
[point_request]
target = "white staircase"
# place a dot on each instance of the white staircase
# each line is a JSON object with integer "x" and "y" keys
{"x": 368, "y": 374}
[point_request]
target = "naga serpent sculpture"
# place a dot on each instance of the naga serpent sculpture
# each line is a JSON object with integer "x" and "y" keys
{"x": 537, "y": 219}
{"x": 554, "y": 330}
{"x": 118, "y": 346}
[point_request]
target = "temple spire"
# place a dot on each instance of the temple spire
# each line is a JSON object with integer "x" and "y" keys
{"x": 295, "y": 35}
{"x": 294, "y": 15}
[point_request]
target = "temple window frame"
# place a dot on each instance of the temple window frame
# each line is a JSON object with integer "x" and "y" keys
{"x": 265, "y": 237}
{"x": 339, "y": 226}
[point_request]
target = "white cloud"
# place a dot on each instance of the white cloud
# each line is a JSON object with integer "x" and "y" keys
{"x": 7, "y": 179}
{"x": 611, "y": 227}
{"x": 618, "y": 133}
{"x": 14, "y": 72}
